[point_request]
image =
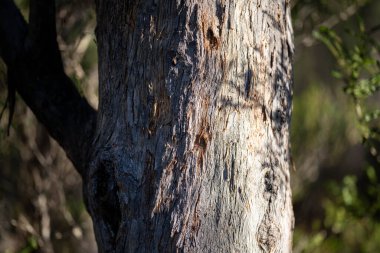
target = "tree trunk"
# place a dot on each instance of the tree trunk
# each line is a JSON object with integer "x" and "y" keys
{"x": 191, "y": 149}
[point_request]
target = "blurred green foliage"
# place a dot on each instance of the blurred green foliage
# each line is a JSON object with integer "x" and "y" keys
{"x": 31, "y": 246}
{"x": 351, "y": 219}
{"x": 359, "y": 68}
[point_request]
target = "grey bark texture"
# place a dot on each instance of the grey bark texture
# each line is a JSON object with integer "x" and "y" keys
{"x": 189, "y": 149}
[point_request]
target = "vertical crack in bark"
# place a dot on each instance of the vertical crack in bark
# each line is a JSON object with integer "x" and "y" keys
{"x": 248, "y": 82}
{"x": 101, "y": 194}
{"x": 107, "y": 195}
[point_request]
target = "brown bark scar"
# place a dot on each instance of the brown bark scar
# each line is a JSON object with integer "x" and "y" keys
{"x": 210, "y": 36}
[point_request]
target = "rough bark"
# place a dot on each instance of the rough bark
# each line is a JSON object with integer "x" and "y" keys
{"x": 190, "y": 152}
{"x": 192, "y": 131}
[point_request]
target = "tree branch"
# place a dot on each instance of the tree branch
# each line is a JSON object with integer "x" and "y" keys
{"x": 43, "y": 36}
{"x": 35, "y": 68}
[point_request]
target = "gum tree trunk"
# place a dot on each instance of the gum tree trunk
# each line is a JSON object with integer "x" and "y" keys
{"x": 191, "y": 148}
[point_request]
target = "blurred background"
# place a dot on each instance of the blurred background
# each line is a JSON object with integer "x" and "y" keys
{"x": 335, "y": 137}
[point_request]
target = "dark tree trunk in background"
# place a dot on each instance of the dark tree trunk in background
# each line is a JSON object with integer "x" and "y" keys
{"x": 190, "y": 152}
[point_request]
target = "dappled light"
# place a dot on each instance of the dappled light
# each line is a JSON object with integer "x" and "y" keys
{"x": 330, "y": 100}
